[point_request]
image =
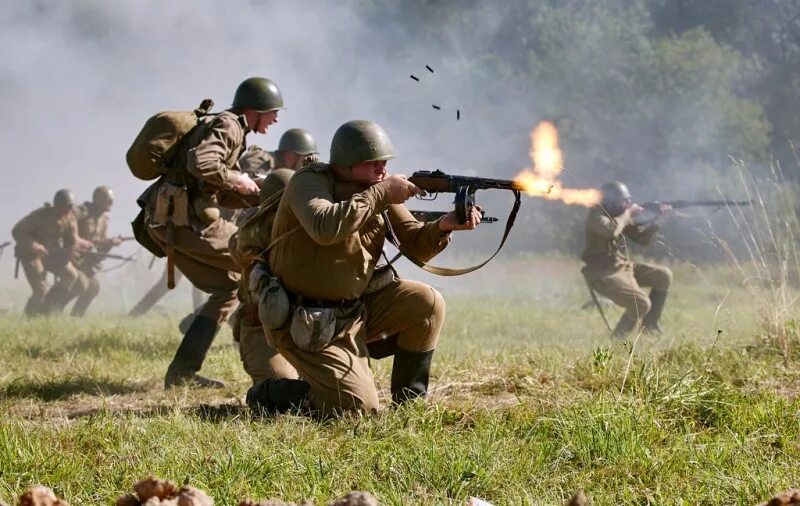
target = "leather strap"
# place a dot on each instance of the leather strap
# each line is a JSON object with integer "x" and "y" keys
{"x": 444, "y": 271}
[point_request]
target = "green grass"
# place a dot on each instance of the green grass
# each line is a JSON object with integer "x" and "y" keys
{"x": 531, "y": 402}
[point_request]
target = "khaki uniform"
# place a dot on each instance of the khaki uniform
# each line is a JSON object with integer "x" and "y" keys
{"x": 330, "y": 261}
{"x": 58, "y": 234}
{"x": 92, "y": 226}
{"x": 201, "y": 247}
{"x": 612, "y": 274}
{"x": 258, "y": 162}
{"x": 260, "y": 360}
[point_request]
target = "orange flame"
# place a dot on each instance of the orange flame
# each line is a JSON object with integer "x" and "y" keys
{"x": 542, "y": 179}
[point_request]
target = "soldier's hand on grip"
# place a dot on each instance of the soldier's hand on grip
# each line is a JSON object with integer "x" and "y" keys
{"x": 399, "y": 189}
{"x": 245, "y": 186}
{"x": 449, "y": 221}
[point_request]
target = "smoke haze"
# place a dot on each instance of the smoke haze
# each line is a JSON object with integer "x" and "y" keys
{"x": 79, "y": 78}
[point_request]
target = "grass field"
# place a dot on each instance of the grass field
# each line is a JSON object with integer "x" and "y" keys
{"x": 531, "y": 402}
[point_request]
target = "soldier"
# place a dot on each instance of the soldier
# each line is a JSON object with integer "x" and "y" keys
{"x": 260, "y": 360}
{"x": 46, "y": 241}
{"x": 92, "y": 226}
{"x": 205, "y": 178}
{"x": 611, "y": 273}
{"x": 295, "y": 146}
{"x": 328, "y": 234}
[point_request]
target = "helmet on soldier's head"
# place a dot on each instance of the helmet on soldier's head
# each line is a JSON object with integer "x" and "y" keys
{"x": 614, "y": 195}
{"x": 102, "y": 196}
{"x": 259, "y": 94}
{"x": 298, "y": 141}
{"x": 360, "y": 141}
{"x": 275, "y": 182}
{"x": 63, "y": 199}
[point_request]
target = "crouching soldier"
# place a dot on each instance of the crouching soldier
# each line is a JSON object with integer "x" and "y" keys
{"x": 611, "y": 273}
{"x": 327, "y": 237}
{"x": 46, "y": 241}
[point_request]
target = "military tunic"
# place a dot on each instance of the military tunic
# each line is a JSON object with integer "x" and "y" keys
{"x": 330, "y": 259}
{"x": 611, "y": 272}
{"x": 59, "y": 235}
{"x": 209, "y": 170}
{"x": 93, "y": 227}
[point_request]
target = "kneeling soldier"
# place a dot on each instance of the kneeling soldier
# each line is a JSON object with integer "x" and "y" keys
{"x": 328, "y": 234}
{"x": 611, "y": 273}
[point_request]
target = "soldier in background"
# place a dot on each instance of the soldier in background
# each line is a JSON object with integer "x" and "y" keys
{"x": 93, "y": 226}
{"x": 204, "y": 180}
{"x": 46, "y": 241}
{"x": 611, "y": 273}
{"x": 295, "y": 149}
{"x": 295, "y": 146}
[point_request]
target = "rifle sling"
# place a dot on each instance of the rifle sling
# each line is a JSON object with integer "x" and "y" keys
{"x": 444, "y": 271}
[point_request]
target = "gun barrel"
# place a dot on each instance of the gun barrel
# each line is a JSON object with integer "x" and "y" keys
{"x": 678, "y": 204}
{"x": 5, "y": 245}
{"x": 435, "y": 215}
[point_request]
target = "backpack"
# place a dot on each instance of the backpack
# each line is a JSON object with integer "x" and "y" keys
{"x": 253, "y": 236}
{"x": 154, "y": 149}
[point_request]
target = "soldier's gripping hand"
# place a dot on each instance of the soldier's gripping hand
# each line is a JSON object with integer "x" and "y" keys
{"x": 39, "y": 250}
{"x": 399, "y": 189}
{"x": 449, "y": 221}
{"x": 245, "y": 186}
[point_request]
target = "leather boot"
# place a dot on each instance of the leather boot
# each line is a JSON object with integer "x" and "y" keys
{"x": 410, "y": 374}
{"x": 657, "y": 300}
{"x": 190, "y": 355}
{"x": 624, "y": 326}
{"x": 277, "y": 395}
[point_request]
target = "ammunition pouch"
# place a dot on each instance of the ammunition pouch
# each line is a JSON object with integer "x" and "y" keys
{"x": 314, "y": 328}
{"x": 139, "y": 226}
{"x": 270, "y": 296}
{"x": 172, "y": 205}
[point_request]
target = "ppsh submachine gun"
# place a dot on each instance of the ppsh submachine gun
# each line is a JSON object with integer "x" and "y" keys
{"x": 464, "y": 189}
{"x": 435, "y": 215}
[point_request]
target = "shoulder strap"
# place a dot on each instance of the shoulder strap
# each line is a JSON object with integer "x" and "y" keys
{"x": 443, "y": 271}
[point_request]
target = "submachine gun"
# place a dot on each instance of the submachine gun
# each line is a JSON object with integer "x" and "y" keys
{"x": 464, "y": 188}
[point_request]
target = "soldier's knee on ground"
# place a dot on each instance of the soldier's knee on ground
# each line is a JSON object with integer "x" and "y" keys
{"x": 425, "y": 310}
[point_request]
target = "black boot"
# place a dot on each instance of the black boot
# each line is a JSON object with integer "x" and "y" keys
{"x": 277, "y": 395}
{"x": 410, "y": 374}
{"x": 185, "y": 323}
{"x": 650, "y": 323}
{"x": 624, "y": 326}
{"x": 190, "y": 355}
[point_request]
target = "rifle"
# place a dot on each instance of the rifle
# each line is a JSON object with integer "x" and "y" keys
{"x": 435, "y": 215}
{"x": 103, "y": 256}
{"x": 464, "y": 188}
{"x": 655, "y": 207}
